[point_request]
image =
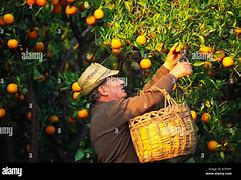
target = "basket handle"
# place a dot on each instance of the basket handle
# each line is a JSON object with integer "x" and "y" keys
{"x": 168, "y": 100}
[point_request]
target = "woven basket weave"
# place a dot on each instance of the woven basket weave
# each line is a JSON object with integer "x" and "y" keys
{"x": 163, "y": 134}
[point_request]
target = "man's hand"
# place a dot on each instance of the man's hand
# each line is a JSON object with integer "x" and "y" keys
{"x": 172, "y": 57}
{"x": 181, "y": 69}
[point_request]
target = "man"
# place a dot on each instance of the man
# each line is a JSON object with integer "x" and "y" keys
{"x": 110, "y": 134}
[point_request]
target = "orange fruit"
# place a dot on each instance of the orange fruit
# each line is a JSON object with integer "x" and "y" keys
{"x": 206, "y": 49}
{"x": 99, "y": 14}
{"x": 206, "y": 117}
{"x": 90, "y": 20}
{"x": 8, "y": 18}
{"x": 12, "y": 88}
{"x": 71, "y": 10}
{"x": 29, "y": 115}
{"x": 12, "y": 44}
{"x": 71, "y": 120}
{"x": 75, "y": 95}
{"x": 50, "y": 130}
{"x": 57, "y": 9}
{"x": 54, "y": 119}
{"x": 41, "y": 3}
{"x": 32, "y": 34}
{"x": 83, "y": 113}
{"x": 39, "y": 46}
{"x": 116, "y": 43}
{"x": 207, "y": 65}
{"x": 20, "y": 97}
{"x": 55, "y": 2}
{"x": 30, "y": 2}
{"x": 75, "y": 87}
{"x": 145, "y": 63}
{"x": 237, "y": 31}
{"x": 116, "y": 51}
{"x": 228, "y": 62}
{"x": 2, "y": 22}
{"x": 2, "y": 112}
{"x": 141, "y": 39}
{"x": 194, "y": 115}
{"x": 219, "y": 55}
{"x": 212, "y": 145}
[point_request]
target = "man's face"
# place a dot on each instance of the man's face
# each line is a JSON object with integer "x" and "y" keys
{"x": 114, "y": 88}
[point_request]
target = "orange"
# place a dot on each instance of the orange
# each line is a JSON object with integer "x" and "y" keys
{"x": 71, "y": 10}
{"x": 174, "y": 87}
{"x": 12, "y": 88}
{"x": 212, "y": 145}
{"x": 55, "y": 2}
{"x": 76, "y": 87}
{"x": 41, "y": 3}
{"x": 2, "y": 22}
{"x": 206, "y": 117}
{"x": 71, "y": 120}
{"x": 2, "y": 112}
{"x": 207, "y": 65}
{"x": 90, "y": 20}
{"x": 194, "y": 115}
{"x": 39, "y": 46}
{"x": 99, "y": 14}
{"x": 206, "y": 49}
{"x": 29, "y": 115}
{"x": 57, "y": 9}
{"x": 228, "y": 62}
{"x": 141, "y": 39}
{"x": 50, "y": 130}
{"x": 83, "y": 113}
{"x": 32, "y": 34}
{"x": 75, "y": 95}
{"x": 116, "y": 43}
{"x": 145, "y": 63}
{"x": 20, "y": 97}
{"x": 54, "y": 119}
{"x": 116, "y": 51}
{"x": 219, "y": 55}
{"x": 30, "y": 2}
{"x": 237, "y": 31}
{"x": 8, "y": 18}
{"x": 12, "y": 43}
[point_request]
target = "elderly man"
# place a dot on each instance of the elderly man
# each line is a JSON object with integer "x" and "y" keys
{"x": 110, "y": 134}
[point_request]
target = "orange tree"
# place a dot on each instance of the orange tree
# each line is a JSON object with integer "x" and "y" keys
{"x": 132, "y": 36}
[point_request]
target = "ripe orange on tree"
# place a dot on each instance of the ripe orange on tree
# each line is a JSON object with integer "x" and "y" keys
{"x": 116, "y": 51}
{"x": 54, "y": 119}
{"x": 39, "y": 46}
{"x": 75, "y": 95}
{"x": 8, "y": 18}
{"x": 2, "y": 112}
{"x": 41, "y": 3}
{"x": 32, "y": 34}
{"x": 90, "y": 20}
{"x": 30, "y": 2}
{"x": 57, "y": 9}
{"x": 99, "y": 14}
{"x": 55, "y": 2}
{"x": 29, "y": 115}
{"x": 83, "y": 113}
{"x": 237, "y": 31}
{"x": 12, "y": 43}
{"x": 71, "y": 120}
{"x": 75, "y": 87}
{"x": 194, "y": 114}
{"x": 2, "y": 22}
{"x": 71, "y": 10}
{"x": 145, "y": 63}
{"x": 219, "y": 55}
{"x": 206, "y": 117}
{"x": 212, "y": 145}
{"x": 206, "y": 49}
{"x": 141, "y": 39}
{"x": 12, "y": 88}
{"x": 50, "y": 130}
{"x": 228, "y": 62}
{"x": 116, "y": 43}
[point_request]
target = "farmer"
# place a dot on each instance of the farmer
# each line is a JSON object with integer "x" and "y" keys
{"x": 110, "y": 134}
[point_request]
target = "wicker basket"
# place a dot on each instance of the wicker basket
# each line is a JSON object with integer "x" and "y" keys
{"x": 163, "y": 134}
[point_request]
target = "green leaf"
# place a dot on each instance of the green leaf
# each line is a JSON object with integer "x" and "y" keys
{"x": 127, "y": 5}
{"x": 191, "y": 160}
{"x": 198, "y": 63}
{"x": 201, "y": 38}
{"x": 79, "y": 155}
{"x": 222, "y": 155}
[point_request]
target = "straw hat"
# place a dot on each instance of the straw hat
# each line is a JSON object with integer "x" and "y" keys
{"x": 93, "y": 76}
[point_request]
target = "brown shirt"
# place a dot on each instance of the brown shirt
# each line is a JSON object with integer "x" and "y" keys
{"x": 110, "y": 134}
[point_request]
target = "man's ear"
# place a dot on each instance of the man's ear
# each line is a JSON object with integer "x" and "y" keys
{"x": 103, "y": 91}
